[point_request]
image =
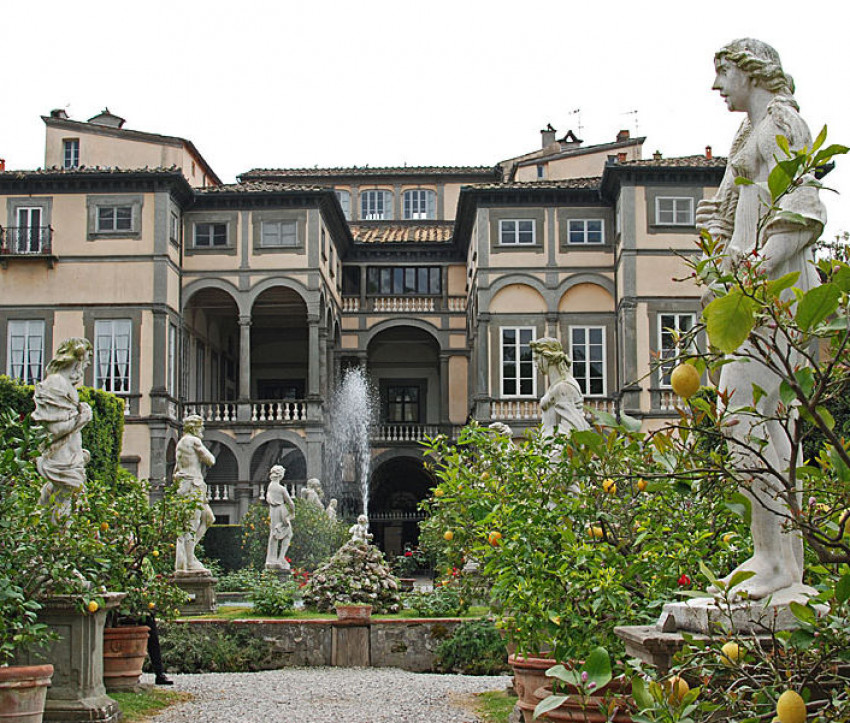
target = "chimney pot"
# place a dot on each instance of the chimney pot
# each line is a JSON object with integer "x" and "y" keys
{"x": 656, "y": 156}
{"x": 547, "y": 136}
{"x": 2, "y": 164}
{"x": 623, "y": 135}
{"x": 708, "y": 153}
{"x": 58, "y": 113}
{"x": 621, "y": 158}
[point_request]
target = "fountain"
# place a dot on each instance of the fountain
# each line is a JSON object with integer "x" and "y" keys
{"x": 348, "y": 457}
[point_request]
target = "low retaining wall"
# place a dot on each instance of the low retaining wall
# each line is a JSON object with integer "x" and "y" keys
{"x": 409, "y": 644}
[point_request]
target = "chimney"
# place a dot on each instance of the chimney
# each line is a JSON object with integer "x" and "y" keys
{"x": 547, "y": 136}
{"x": 108, "y": 119}
{"x": 656, "y": 156}
{"x": 708, "y": 153}
{"x": 2, "y": 164}
{"x": 623, "y": 136}
{"x": 59, "y": 113}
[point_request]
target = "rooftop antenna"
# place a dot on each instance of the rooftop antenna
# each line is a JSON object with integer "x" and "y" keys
{"x": 635, "y": 114}
{"x": 577, "y": 112}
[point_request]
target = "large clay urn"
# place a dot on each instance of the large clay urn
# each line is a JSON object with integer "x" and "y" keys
{"x": 124, "y": 650}
{"x": 529, "y": 675}
{"x": 23, "y": 689}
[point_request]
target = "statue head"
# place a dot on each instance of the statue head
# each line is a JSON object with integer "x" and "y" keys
{"x": 72, "y": 357}
{"x": 277, "y": 472}
{"x": 549, "y": 353}
{"x": 333, "y": 503}
{"x": 362, "y": 520}
{"x": 759, "y": 61}
{"x": 193, "y": 424}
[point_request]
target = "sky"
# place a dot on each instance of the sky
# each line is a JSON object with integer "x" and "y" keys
{"x": 448, "y": 82}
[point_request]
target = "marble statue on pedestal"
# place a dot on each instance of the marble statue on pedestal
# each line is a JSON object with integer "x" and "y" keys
{"x": 313, "y": 493}
{"x": 332, "y": 509}
{"x": 751, "y": 80}
{"x": 281, "y": 509}
{"x": 360, "y": 530}
{"x": 562, "y": 406}
{"x": 191, "y": 458}
{"x": 59, "y": 409}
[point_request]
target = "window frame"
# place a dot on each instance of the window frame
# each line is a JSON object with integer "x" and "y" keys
{"x": 72, "y": 145}
{"x": 266, "y": 224}
{"x": 420, "y": 385}
{"x": 96, "y": 204}
{"x": 117, "y": 214}
{"x": 212, "y": 235}
{"x": 585, "y": 232}
{"x": 675, "y": 210}
{"x": 665, "y": 369}
{"x": 389, "y": 281}
{"x": 108, "y": 328}
{"x": 584, "y": 381}
{"x": 425, "y": 197}
{"x": 26, "y": 363}
{"x": 344, "y": 197}
{"x": 517, "y": 378}
{"x": 503, "y": 232}
{"x": 386, "y": 204}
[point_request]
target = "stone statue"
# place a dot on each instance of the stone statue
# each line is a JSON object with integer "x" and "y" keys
{"x": 751, "y": 80}
{"x": 281, "y": 509}
{"x": 360, "y": 530}
{"x": 313, "y": 493}
{"x": 191, "y": 458}
{"x": 501, "y": 429}
{"x": 332, "y": 509}
{"x": 59, "y": 409}
{"x": 562, "y": 405}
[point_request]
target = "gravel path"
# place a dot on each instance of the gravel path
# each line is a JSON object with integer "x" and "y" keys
{"x": 327, "y": 695}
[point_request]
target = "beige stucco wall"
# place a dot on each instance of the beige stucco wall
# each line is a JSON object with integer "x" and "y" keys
{"x": 137, "y": 443}
{"x": 451, "y": 194}
{"x": 518, "y": 299}
{"x": 457, "y": 280}
{"x": 586, "y": 297}
{"x": 581, "y": 166}
{"x": 656, "y": 276}
{"x": 66, "y": 324}
{"x": 458, "y": 389}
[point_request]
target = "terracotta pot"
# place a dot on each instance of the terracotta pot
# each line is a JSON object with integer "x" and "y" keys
{"x": 586, "y": 710}
{"x": 23, "y": 689}
{"x": 124, "y": 651}
{"x": 354, "y": 613}
{"x": 529, "y": 675}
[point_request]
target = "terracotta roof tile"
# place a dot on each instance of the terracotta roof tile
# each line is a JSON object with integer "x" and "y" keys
{"x": 565, "y": 184}
{"x": 681, "y": 162}
{"x": 258, "y": 173}
{"x": 264, "y": 187}
{"x": 402, "y": 232}
{"x": 90, "y": 170}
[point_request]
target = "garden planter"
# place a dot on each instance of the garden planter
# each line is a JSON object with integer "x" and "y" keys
{"x": 23, "y": 689}
{"x": 529, "y": 675}
{"x": 589, "y": 709}
{"x": 354, "y": 613}
{"x": 124, "y": 652}
{"x": 406, "y": 583}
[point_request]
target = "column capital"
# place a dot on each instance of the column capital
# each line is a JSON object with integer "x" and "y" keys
{"x": 244, "y": 320}
{"x": 313, "y": 319}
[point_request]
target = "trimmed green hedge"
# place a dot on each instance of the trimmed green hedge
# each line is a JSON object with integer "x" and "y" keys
{"x": 224, "y": 543}
{"x": 102, "y": 436}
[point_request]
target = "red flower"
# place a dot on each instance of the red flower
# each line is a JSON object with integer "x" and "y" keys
{"x": 684, "y": 580}
{"x": 408, "y": 554}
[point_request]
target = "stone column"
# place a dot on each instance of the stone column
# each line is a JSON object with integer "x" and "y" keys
{"x": 444, "y": 387}
{"x": 552, "y": 327}
{"x": 481, "y": 393}
{"x": 244, "y": 358}
{"x": 314, "y": 355}
{"x": 323, "y": 361}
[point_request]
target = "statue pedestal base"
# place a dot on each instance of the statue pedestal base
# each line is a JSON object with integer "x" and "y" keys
{"x": 200, "y": 586}
{"x": 281, "y": 573}
{"x": 76, "y": 692}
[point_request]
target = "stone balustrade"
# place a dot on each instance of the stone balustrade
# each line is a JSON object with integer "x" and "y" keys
{"x": 212, "y": 411}
{"x": 284, "y": 411}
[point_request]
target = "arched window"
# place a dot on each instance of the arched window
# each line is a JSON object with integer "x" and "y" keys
{"x": 420, "y": 204}
{"x": 376, "y": 205}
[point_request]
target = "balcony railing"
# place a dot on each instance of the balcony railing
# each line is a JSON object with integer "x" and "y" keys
{"x": 528, "y": 410}
{"x": 26, "y": 240}
{"x": 212, "y": 411}
{"x": 409, "y": 433}
{"x": 292, "y": 411}
{"x": 286, "y": 412}
{"x": 404, "y": 304}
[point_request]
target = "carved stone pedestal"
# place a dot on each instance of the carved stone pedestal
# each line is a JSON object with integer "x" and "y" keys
{"x": 282, "y": 574}
{"x": 200, "y": 586}
{"x": 76, "y": 692}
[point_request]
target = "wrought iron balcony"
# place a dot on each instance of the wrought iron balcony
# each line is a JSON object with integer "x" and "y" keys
{"x": 26, "y": 241}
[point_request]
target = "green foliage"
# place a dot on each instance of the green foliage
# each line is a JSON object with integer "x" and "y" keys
{"x": 356, "y": 574}
{"x": 444, "y": 601}
{"x": 315, "y": 537}
{"x": 474, "y": 648}
{"x": 239, "y": 580}
{"x": 212, "y": 649}
{"x": 273, "y": 597}
{"x": 138, "y": 706}
{"x": 589, "y": 679}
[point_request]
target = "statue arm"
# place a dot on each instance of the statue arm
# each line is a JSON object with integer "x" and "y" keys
{"x": 204, "y": 455}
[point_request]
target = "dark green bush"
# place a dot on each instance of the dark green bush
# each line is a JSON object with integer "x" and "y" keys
{"x": 443, "y": 602}
{"x": 273, "y": 597}
{"x": 212, "y": 649}
{"x": 474, "y": 648}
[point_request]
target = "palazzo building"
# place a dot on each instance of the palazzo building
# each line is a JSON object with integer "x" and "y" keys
{"x": 245, "y": 302}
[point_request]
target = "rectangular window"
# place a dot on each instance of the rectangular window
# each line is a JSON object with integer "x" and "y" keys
{"x": 324, "y": 244}
{"x": 279, "y": 234}
{"x": 541, "y": 171}
{"x": 114, "y": 218}
{"x": 345, "y": 201}
{"x": 519, "y": 232}
{"x": 172, "y": 361}
{"x": 71, "y": 148}
{"x": 674, "y": 211}
{"x": 403, "y": 404}
{"x": 28, "y": 237}
{"x": 112, "y": 355}
{"x": 403, "y": 280}
{"x": 419, "y": 204}
{"x": 25, "y": 350}
{"x": 585, "y": 231}
{"x": 174, "y": 228}
{"x": 210, "y": 234}
{"x": 587, "y": 350}
{"x": 670, "y": 329}
{"x": 518, "y": 378}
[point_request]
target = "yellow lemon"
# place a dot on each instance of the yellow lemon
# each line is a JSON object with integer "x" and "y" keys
{"x": 92, "y": 607}
{"x": 610, "y": 486}
{"x": 730, "y": 654}
{"x": 642, "y": 484}
{"x": 791, "y": 708}
{"x": 151, "y": 605}
{"x": 438, "y": 492}
{"x": 494, "y": 537}
{"x": 595, "y": 531}
{"x": 677, "y": 689}
{"x": 727, "y": 538}
{"x": 485, "y": 476}
{"x": 104, "y": 526}
{"x": 155, "y": 553}
{"x": 685, "y": 380}
{"x": 448, "y": 535}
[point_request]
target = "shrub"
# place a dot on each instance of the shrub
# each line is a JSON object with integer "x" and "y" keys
{"x": 190, "y": 648}
{"x": 239, "y": 580}
{"x": 444, "y": 601}
{"x": 474, "y": 648}
{"x": 357, "y": 574}
{"x": 273, "y": 597}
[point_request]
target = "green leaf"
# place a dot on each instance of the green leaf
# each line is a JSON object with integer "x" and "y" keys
{"x": 587, "y": 437}
{"x": 803, "y": 613}
{"x": 565, "y": 674}
{"x": 827, "y": 417}
{"x": 729, "y": 320}
{"x": 801, "y": 639}
{"x": 782, "y": 142}
{"x": 778, "y": 181}
{"x": 806, "y": 379}
{"x": 598, "y": 668}
{"x": 743, "y": 181}
{"x": 630, "y": 423}
{"x": 739, "y": 577}
{"x": 841, "y": 278}
{"x": 547, "y": 704}
{"x": 816, "y": 305}
{"x": 641, "y": 694}
{"x": 777, "y": 286}
{"x": 758, "y": 393}
{"x": 838, "y": 465}
{"x": 739, "y": 505}
{"x": 842, "y": 589}
{"x": 604, "y": 418}
{"x": 707, "y": 573}
{"x": 786, "y": 393}
{"x": 819, "y": 141}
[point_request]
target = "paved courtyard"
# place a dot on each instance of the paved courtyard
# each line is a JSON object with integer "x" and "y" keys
{"x": 328, "y": 695}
